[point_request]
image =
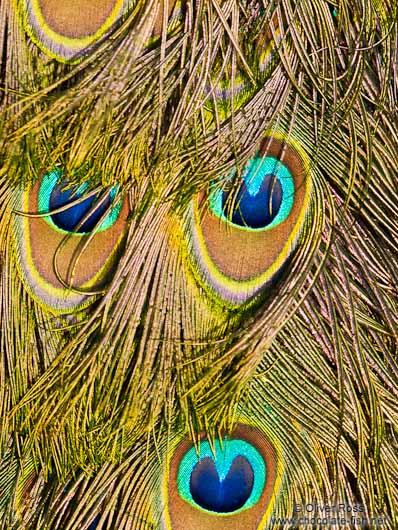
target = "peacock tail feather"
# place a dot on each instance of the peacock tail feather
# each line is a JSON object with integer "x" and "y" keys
{"x": 198, "y": 264}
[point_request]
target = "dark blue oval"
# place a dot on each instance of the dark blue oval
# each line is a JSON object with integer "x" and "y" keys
{"x": 254, "y": 210}
{"x": 70, "y": 218}
{"x": 222, "y": 496}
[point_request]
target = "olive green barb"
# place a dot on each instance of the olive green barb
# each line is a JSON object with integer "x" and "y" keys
{"x": 198, "y": 264}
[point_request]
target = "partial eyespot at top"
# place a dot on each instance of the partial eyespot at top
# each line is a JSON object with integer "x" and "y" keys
{"x": 68, "y": 30}
{"x": 245, "y": 228}
{"x": 227, "y": 485}
{"x": 67, "y": 240}
{"x": 231, "y": 88}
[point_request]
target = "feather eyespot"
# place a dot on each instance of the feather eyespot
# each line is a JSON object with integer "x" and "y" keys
{"x": 70, "y": 30}
{"x": 245, "y": 227}
{"x": 224, "y": 486}
{"x": 68, "y": 240}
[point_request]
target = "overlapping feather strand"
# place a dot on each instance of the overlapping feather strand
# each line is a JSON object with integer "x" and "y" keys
{"x": 97, "y": 401}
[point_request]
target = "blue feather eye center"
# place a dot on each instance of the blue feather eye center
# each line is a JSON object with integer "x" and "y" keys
{"x": 226, "y": 495}
{"x": 256, "y": 210}
{"x": 71, "y": 220}
{"x": 229, "y": 480}
{"x": 82, "y": 217}
{"x": 263, "y": 200}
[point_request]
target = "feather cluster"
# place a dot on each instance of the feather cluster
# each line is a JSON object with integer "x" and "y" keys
{"x": 93, "y": 402}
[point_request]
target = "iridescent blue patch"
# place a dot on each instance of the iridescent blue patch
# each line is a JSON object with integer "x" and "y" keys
{"x": 81, "y": 218}
{"x": 226, "y": 495}
{"x": 94, "y": 524}
{"x": 70, "y": 220}
{"x": 228, "y": 480}
{"x": 255, "y": 210}
{"x": 264, "y": 199}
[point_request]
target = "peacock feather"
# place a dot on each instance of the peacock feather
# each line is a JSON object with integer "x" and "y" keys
{"x": 198, "y": 264}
